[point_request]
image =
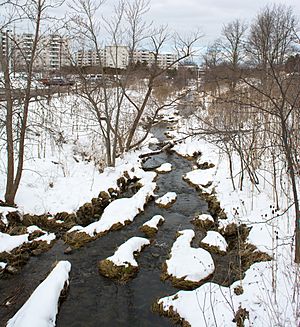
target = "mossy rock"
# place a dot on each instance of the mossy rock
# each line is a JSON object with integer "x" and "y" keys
{"x": 214, "y": 206}
{"x": 43, "y": 222}
{"x": 19, "y": 256}
{"x": 16, "y": 230}
{"x": 212, "y": 248}
{"x": 35, "y": 234}
{"x": 2, "y": 225}
{"x": 77, "y": 239}
{"x": 250, "y": 255}
{"x": 203, "y": 224}
{"x": 241, "y": 315}
{"x": 205, "y": 165}
{"x": 170, "y": 313}
{"x": 190, "y": 157}
{"x": 166, "y": 206}
{"x": 121, "y": 273}
{"x": 104, "y": 195}
{"x": 233, "y": 232}
{"x": 68, "y": 218}
{"x": 148, "y": 231}
{"x": 14, "y": 218}
{"x": 121, "y": 182}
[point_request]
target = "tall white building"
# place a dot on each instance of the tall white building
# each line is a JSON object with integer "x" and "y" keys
{"x": 51, "y": 54}
{"x": 5, "y": 48}
{"x": 90, "y": 57}
{"x": 55, "y": 52}
{"x": 116, "y": 56}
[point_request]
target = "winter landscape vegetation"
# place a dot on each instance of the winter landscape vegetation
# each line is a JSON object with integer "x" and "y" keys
{"x": 146, "y": 178}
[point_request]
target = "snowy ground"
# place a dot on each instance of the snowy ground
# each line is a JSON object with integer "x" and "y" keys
{"x": 60, "y": 175}
{"x": 271, "y": 289}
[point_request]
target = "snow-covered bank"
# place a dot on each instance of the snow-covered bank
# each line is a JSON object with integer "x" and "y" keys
{"x": 269, "y": 293}
{"x": 64, "y": 164}
{"x": 10, "y": 242}
{"x": 213, "y": 305}
{"x": 124, "y": 210}
{"x": 41, "y": 308}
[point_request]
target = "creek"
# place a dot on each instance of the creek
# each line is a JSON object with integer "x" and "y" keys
{"x": 94, "y": 300}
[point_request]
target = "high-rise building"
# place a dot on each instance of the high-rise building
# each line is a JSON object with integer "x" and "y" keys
{"x": 116, "y": 56}
{"x": 5, "y": 48}
{"x": 52, "y": 51}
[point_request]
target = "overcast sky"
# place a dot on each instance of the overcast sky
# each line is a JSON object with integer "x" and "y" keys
{"x": 208, "y": 15}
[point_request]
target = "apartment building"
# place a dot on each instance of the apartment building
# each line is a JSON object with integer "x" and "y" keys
{"x": 89, "y": 57}
{"x": 118, "y": 57}
{"x": 55, "y": 52}
{"x": 52, "y": 51}
{"x": 5, "y": 47}
{"x": 163, "y": 60}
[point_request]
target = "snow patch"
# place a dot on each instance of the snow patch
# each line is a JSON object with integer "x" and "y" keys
{"x": 164, "y": 168}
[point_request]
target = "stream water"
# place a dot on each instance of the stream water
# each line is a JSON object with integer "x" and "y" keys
{"x": 94, "y": 300}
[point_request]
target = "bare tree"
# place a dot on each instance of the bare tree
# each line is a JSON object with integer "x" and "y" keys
{"x": 271, "y": 36}
{"x": 233, "y": 48}
{"x": 17, "y": 113}
{"x": 119, "y": 112}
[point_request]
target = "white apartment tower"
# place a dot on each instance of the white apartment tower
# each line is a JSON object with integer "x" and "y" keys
{"x": 5, "y": 47}
{"x": 51, "y": 53}
{"x": 116, "y": 56}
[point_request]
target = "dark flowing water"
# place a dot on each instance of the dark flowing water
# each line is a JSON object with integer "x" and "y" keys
{"x": 94, "y": 300}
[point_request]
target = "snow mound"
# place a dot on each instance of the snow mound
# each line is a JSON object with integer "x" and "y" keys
{"x": 166, "y": 199}
{"x": 205, "y": 217}
{"x": 215, "y": 239}
{"x": 187, "y": 262}
{"x": 41, "y": 308}
{"x": 188, "y": 149}
{"x": 154, "y": 221}
{"x": 164, "y": 168}
{"x": 124, "y": 255}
